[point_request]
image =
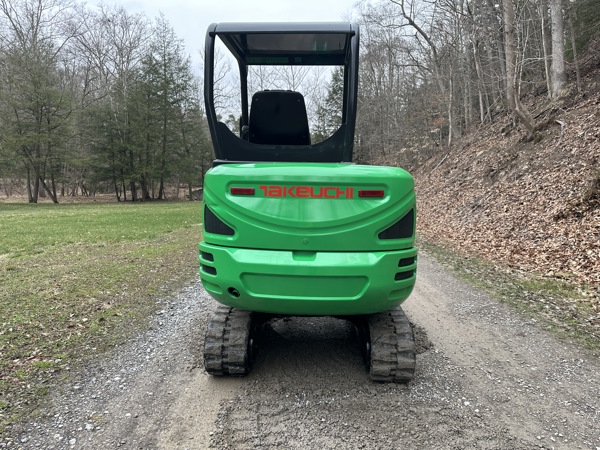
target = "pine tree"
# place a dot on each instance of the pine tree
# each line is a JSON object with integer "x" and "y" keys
{"x": 329, "y": 113}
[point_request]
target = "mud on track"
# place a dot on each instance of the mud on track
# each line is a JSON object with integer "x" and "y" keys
{"x": 486, "y": 379}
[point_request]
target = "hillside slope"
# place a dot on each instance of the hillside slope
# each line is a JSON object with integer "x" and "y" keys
{"x": 534, "y": 206}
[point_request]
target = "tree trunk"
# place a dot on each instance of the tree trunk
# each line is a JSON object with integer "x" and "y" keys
{"x": 546, "y": 39}
{"x": 161, "y": 189}
{"x": 144, "y": 185}
{"x": 29, "y": 191}
{"x": 124, "y": 187}
{"x": 574, "y": 46}
{"x": 559, "y": 76}
{"x": 484, "y": 103}
{"x": 36, "y": 190}
{"x": 512, "y": 86}
{"x": 48, "y": 191}
{"x": 133, "y": 189}
{"x": 449, "y": 113}
{"x": 54, "y": 196}
{"x": 501, "y": 53}
{"x": 116, "y": 185}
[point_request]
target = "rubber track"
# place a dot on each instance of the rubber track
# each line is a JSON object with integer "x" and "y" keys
{"x": 226, "y": 342}
{"x": 392, "y": 347}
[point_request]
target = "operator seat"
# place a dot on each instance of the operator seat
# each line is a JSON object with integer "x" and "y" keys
{"x": 278, "y": 117}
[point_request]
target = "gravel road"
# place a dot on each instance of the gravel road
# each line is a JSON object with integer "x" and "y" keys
{"x": 486, "y": 379}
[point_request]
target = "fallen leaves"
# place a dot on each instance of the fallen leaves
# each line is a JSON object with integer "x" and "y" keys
{"x": 534, "y": 206}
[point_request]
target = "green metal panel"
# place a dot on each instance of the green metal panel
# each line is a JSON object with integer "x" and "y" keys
{"x": 301, "y": 206}
{"x": 305, "y": 241}
{"x": 307, "y": 283}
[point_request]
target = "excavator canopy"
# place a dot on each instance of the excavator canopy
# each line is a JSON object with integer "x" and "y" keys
{"x": 279, "y": 113}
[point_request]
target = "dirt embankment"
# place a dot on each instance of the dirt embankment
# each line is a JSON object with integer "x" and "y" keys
{"x": 535, "y": 206}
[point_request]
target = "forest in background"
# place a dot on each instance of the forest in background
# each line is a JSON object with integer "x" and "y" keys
{"x": 511, "y": 179}
{"x": 96, "y": 101}
{"x": 431, "y": 70}
{"x": 104, "y": 101}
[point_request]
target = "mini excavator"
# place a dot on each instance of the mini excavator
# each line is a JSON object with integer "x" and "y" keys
{"x": 295, "y": 228}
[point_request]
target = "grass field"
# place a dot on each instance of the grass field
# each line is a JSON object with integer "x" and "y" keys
{"x": 75, "y": 279}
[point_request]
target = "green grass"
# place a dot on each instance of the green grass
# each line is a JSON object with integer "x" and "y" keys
{"x": 75, "y": 279}
{"x": 562, "y": 307}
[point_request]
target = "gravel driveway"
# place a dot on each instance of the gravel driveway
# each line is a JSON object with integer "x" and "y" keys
{"x": 486, "y": 379}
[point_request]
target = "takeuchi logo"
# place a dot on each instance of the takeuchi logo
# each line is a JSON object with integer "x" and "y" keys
{"x": 307, "y": 191}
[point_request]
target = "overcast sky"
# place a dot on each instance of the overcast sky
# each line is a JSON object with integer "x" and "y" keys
{"x": 191, "y": 18}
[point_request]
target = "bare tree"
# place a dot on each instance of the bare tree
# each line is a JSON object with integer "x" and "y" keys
{"x": 407, "y": 9}
{"x": 399, "y": 95}
{"x": 113, "y": 44}
{"x": 572, "y": 33}
{"x": 36, "y": 91}
{"x": 512, "y": 83}
{"x": 559, "y": 77}
{"x": 546, "y": 41}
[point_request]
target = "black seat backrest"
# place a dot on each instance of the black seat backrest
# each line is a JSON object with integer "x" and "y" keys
{"x": 278, "y": 118}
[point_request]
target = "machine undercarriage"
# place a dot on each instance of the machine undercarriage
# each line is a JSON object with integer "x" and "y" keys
{"x": 386, "y": 341}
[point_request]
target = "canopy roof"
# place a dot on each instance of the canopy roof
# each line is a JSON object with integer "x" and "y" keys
{"x": 281, "y": 43}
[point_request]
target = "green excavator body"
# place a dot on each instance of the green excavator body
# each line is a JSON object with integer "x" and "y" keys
{"x": 308, "y": 238}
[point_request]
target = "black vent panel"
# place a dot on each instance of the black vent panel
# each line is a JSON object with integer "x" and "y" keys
{"x": 212, "y": 224}
{"x": 207, "y": 256}
{"x": 406, "y": 261}
{"x": 404, "y": 275}
{"x": 208, "y": 269}
{"x": 402, "y": 229}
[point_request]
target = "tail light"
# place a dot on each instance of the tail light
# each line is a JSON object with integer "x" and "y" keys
{"x": 371, "y": 193}
{"x": 241, "y": 191}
